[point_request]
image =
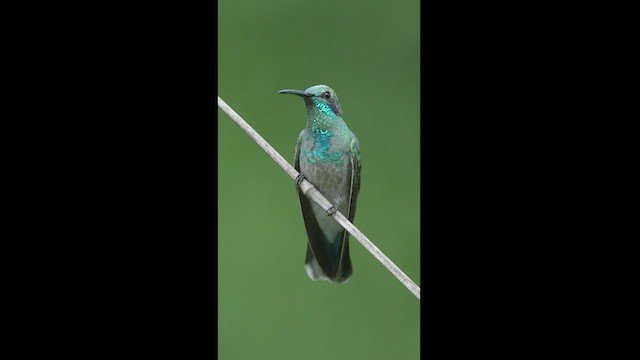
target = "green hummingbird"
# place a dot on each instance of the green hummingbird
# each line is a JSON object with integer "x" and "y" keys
{"x": 327, "y": 154}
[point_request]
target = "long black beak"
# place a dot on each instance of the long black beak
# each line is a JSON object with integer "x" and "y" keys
{"x": 295, "y": 92}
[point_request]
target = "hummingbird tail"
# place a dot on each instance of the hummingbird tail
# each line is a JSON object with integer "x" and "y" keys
{"x": 313, "y": 268}
{"x": 315, "y": 272}
{"x": 347, "y": 270}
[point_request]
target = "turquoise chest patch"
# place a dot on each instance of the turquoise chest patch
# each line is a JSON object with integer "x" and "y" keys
{"x": 320, "y": 150}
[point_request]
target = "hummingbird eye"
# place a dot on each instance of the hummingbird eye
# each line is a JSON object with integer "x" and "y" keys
{"x": 327, "y": 95}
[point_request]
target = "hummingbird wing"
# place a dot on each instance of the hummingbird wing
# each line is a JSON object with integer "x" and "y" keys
{"x": 317, "y": 239}
{"x": 354, "y": 174}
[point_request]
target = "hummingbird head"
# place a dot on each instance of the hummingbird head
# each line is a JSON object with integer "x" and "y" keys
{"x": 318, "y": 98}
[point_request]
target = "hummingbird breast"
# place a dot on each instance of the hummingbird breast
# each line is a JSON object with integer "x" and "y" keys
{"x": 325, "y": 163}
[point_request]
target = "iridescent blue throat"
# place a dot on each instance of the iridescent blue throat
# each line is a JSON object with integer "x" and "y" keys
{"x": 324, "y": 107}
{"x": 322, "y": 120}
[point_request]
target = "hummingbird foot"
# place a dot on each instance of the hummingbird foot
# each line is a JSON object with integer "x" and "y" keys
{"x": 332, "y": 210}
{"x": 299, "y": 179}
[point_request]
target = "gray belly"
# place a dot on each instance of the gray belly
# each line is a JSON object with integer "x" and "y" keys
{"x": 331, "y": 179}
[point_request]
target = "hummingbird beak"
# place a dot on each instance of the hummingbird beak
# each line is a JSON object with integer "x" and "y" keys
{"x": 295, "y": 92}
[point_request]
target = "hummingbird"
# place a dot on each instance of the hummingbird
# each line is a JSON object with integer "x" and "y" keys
{"x": 327, "y": 154}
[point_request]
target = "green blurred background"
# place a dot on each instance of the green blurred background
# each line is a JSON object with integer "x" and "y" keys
{"x": 369, "y": 53}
